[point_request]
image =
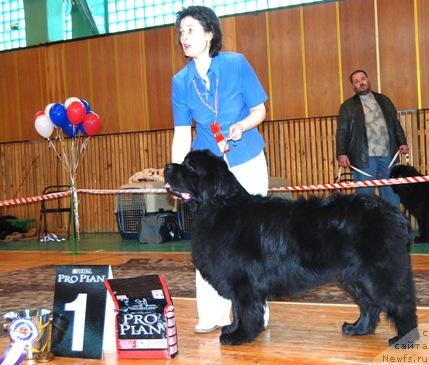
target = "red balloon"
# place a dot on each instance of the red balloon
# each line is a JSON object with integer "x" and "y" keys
{"x": 91, "y": 123}
{"x": 39, "y": 113}
{"x": 76, "y": 112}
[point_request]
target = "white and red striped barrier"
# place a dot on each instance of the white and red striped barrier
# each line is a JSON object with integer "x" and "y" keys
{"x": 328, "y": 186}
{"x": 33, "y": 199}
{"x": 355, "y": 184}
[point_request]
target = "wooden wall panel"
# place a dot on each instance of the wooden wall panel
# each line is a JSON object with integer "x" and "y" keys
{"x": 358, "y": 46}
{"x": 252, "y": 42}
{"x": 300, "y": 150}
{"x": 321, "y": 54}
{"x": 53, "y": 69}
{"x": 104, "y": 82}
{"x": 29, "y": 91}
{"x": 397, "y": 52}
{"x": 78, "y": 70}
{"x": 126, "y": 77}
{"x": 10, "y": 118}
{"x": 229, "y": 34}
{"x": 423, "y": 34}
{"x": 286, "y": 64}
{"x": 132, "y": 79}
{"x": 159, "y": 73}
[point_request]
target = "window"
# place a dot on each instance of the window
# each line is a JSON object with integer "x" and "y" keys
{"x": 12, "y": 24}
{"x": 113, "y": 16}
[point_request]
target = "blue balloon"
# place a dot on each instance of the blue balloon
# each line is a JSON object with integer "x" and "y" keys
{"x": 86, "y": 105}
{"x": 70, "y": 130}
{"x": 58, "y": 114}
{"x": 81, "y": 130}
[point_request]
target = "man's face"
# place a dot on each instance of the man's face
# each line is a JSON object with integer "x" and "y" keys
{"x": 361, "y": 84}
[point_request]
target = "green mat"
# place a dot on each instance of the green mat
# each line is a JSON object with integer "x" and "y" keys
{"x": 420, "y": 248}
{"x": 90, "y": 242}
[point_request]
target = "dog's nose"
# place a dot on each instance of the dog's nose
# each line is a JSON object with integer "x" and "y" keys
{"x": 168, "y": 170}
{"x": 168, "y": 167}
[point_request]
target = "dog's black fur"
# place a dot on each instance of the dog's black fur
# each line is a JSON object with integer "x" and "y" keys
{"x": 252, "y": 248}
{"x": 414, "y": 197}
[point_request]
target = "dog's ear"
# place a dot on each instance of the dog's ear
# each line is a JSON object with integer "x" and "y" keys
{"x": 404, "y": 171}
{"x": 229, "y": 187}
{"x": 215, "y": 181}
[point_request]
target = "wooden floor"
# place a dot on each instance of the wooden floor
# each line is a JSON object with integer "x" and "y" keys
{"x": 298, "y": 333}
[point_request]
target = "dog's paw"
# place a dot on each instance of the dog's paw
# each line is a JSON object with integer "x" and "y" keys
{"x": 229, "y": 328}
{"x": 232, "y": 339}
{"x": 405, "y": 342}
{"x": 353, "y": 329}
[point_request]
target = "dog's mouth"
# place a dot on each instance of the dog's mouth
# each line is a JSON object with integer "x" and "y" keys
{"x": 179, "y": 194}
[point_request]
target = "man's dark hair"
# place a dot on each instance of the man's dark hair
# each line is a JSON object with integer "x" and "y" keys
{"x": 208, "y": 20}
{"x": 355, "y": 72}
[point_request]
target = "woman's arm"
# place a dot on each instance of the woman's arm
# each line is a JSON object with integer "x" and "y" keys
{"x": 181, "y": 145}
{"x": 256, "y": 116}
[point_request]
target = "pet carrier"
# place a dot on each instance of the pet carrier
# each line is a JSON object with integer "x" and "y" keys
{"x": 184, "y": 218}
{"x": 130, "y": 207}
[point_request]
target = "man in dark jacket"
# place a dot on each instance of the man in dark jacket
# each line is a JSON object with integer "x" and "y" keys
{"x": 369, "y": 135}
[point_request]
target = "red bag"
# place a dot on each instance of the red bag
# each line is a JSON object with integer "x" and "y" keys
{"x": 145, "y": 321}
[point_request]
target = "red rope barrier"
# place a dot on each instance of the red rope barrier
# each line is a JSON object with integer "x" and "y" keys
{"x": 328, "y": 186}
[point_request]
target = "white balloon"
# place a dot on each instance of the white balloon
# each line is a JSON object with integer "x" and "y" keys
{"x": 44, "y": 126}
{"x": 47, "y": 109}
{"x": 71, "y": 100}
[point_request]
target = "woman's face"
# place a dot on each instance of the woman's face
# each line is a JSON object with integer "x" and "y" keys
{"x": 194, "y": 40}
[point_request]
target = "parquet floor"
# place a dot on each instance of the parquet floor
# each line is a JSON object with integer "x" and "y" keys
{"x": 298, "y": 334}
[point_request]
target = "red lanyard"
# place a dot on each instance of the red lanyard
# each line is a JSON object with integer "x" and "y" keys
{"x": 214, "y": 108}
{"x": 215, "y": 126}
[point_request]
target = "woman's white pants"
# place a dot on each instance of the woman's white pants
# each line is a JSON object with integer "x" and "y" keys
{"x": 214, "y": 310}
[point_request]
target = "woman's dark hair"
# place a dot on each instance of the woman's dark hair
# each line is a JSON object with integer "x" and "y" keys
{"x": 355, "y": 72}
{"x": 208, "y": 20}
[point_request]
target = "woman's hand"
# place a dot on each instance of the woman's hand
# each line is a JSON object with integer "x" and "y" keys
{"x": 255, "y": 117}
{"x": 235, "y": 132}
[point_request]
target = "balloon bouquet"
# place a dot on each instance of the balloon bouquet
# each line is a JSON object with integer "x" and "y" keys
{"x": 72, "y": 119}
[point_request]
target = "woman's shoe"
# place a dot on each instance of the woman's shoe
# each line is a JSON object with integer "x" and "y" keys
{"x": 201, "y": 329}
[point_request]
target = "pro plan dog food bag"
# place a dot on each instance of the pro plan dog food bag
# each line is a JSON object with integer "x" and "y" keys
{"x": 145, "y": 322}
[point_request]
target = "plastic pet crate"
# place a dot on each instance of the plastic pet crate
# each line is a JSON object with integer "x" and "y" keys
{"x": 184, "y": 218}
{"x": 130, "y": 208}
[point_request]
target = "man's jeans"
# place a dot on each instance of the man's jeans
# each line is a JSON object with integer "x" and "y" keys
{"x": 378, "y": 169}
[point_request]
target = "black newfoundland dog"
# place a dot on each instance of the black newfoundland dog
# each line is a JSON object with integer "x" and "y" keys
{"x": 414, "y": 197}
{"x": 252, "y": 248}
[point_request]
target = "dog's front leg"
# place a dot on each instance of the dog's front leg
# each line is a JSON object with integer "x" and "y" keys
{"x": 233, "y": 326}
{"x": 248, "y": 322}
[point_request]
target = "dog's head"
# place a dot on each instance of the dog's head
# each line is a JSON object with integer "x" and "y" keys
{"x": 403, "y": 190}
{"x": 202, "y": 177}
{"x": 403, "y": 171}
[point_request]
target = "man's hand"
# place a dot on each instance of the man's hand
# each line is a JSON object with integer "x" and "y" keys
{"x": 403, "y": 149}
{"x": 343, "y": 161}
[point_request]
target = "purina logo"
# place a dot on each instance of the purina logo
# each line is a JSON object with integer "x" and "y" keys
{"x": 81, "y": 271}
{"x": 142, "y": 305}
